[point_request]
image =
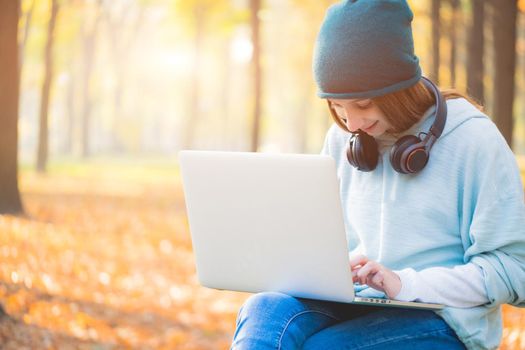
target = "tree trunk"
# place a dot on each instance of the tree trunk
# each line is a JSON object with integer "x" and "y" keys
{"x": 10, "y": 202}
{"x": 23, "y": 43}
{"x": 194, "y": 116}
{"x": 454, "y": 4}
{"x": 70, "y": 108}
{"x": 225, "y": 91}
{"x": 504, "y": 32}
{"x": 89, "y": 44}
{"x": 43, "y": 143}
{"x": 255, "y": 6}
{"x": 121, "y": 46}
{"x": 303, "y": 118}
{"x": 476, "y": 41}
{"x": 436, "y": 35}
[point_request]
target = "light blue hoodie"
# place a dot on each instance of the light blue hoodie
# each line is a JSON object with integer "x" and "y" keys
{"x": 467, "y": 205}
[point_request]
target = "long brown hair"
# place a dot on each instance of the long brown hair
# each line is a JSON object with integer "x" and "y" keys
{"x": 404, "y": 108}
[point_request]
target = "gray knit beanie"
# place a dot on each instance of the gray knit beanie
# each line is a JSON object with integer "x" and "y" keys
{"x": 365, "y": 49}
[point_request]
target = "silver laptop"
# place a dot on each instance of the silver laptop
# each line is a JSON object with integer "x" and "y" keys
{"x": 270, "y": 222}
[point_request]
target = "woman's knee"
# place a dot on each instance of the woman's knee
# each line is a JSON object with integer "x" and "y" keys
{"x": 268, "y": 303}
{"x": 262, "y": 319}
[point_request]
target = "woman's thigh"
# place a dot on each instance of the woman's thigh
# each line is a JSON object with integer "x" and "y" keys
{"x": 279, "y": 321}
{"x": 388, "y": 329}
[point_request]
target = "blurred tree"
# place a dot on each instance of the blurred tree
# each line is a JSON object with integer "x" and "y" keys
{"x": 90, "y": 26}
{"x": 68, "y": 59}
{"x": 70, "y": 110}
{"x": 26, "y": 16}
{"x": 123, "y": 20}
{"x": 476, "y": 43}
{"x": 10, "y": 201}
{"x": 300, "y": 63}
{"x": 255, "y": 6}
{"x": 504, "y": 34}
{"x": 198, "y": 11}
{"x": 436, "y": 35}
{"x": 225, "y": 93}
{"x": 43, "y": 131}
{"x": 454, "y": 4}
{"x": 228, "y": 25}
{"x": 197, "y": 14}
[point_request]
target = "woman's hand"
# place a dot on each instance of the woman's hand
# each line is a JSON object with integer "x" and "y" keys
{"x": 375, "y": 275}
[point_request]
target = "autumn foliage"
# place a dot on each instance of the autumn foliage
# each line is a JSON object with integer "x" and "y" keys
{"x": 103, "y": 260}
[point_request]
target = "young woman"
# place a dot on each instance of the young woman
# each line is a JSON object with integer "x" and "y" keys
{"x": 432, "y": 197}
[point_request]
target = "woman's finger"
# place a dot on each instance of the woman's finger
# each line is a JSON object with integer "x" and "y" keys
{"x": 371, "y": 267}
{"x": 358, "y": 260}
{"x": 354, "y": 274}
{"x": 378, "y": 279}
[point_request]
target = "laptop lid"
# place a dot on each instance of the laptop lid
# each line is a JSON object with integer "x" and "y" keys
{"x": 267, "y": 222}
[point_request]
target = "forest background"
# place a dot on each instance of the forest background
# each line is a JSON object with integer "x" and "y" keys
{"x": 98, "y": 96}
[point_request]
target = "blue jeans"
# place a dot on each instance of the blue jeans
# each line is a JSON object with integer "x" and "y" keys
{"x": 279, "y": 321}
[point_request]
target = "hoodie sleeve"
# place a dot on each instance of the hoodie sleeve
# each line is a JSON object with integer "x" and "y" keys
{"x": 493, "y": 216}
{"x": 492, "y": 220}
{"x": 502, "y": 258}
{"x": 461, "y": 286}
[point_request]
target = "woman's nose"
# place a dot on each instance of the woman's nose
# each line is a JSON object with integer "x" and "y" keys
{"x": 354, "y": 123}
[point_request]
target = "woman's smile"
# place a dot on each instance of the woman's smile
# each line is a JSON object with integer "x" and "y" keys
{"x": 371, "y": 127}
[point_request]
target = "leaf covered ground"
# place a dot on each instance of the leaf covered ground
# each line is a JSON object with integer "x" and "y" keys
{"x": 103, "y": 260}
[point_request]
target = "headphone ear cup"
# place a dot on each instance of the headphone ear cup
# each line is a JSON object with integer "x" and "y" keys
{"x": 399, "y": 152}
{"x": 362, "y": 152}
{"x": 350, "y": 151}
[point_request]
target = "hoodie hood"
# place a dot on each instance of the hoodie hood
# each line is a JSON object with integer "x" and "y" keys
{"x": 459, "y": 110}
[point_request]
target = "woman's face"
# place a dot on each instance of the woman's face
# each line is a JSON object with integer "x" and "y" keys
{"x": 361, "y": 114}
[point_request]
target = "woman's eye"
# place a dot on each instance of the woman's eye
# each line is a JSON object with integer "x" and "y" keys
{"x": 364, "y": 105}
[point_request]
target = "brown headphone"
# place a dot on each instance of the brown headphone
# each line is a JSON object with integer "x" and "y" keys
{"x": 410, "y": 154}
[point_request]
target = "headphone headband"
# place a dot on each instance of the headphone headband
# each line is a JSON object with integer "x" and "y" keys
{"x": 441, "y": 109}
